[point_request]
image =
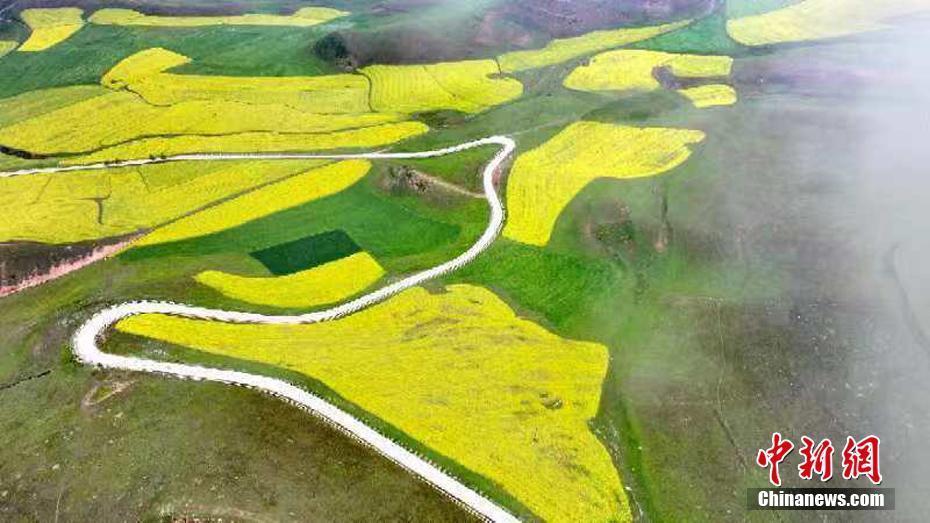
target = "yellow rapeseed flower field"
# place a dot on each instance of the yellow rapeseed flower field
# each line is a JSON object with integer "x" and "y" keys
{"x": 173, "y": 192}
{"x": 153, "y": 112}
{"x": 7, "y": 46}
{"x": 819, "y": 19}
{"x": 700, "y": 66}
{"x": 33, "y": 103}
{"x": 564, "y": 49}
{"x": 144, "y": 74}
{"x": 632, "y": 70}
{"x": 71, "y": 207}
{"x": 42, "y": 220}
{"x": 322, "y": 285}
{"x": 121, "y": 117}
{"x": 131, "y": 70}
{"x": 544, "y": 180}
{"x": 294, "y": 191}
{"x": 710, "y": 95}
{"x": 459, "y": 372}
{"x": 50, "y": 26}
{"x": 267, "y": 142}
{"x": 306, "y": 17}
{"x": 463, "y": 86}
{"x": 340, "y": 93}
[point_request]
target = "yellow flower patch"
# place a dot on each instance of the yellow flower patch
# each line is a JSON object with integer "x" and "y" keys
{"x": 544, "y": 180}
{"x": 306, "y": 17}
{"x": 7, "y": 46}
{"x": 33, "y": 103}
{"x": 710, "y": 95}
{"x": 312, "y": 185}
{"x": 77, "y": 206}
{"x": 564, "y": 49}
{"x": 459, "y": 372}
{"x": 634, "y": 70}
{"x": 263, "y": 142}
{"x": 50, "y": 26}
{"x": 120, "y": 117}
{"x": 820, "y": 19}
{"x": 131, "y": 70}
{"x": 463, "y": 86}
{"x": 144, "y": 73}
{"x": 328, "y": 283}
{"x": 160, "y": 113}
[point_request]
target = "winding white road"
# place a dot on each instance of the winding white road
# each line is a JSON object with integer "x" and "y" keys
{"x": 87, "y": 350}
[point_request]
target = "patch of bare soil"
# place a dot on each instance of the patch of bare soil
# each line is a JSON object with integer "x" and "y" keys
{"x": 28, "y": 264}
{"x": 405, "y": 180}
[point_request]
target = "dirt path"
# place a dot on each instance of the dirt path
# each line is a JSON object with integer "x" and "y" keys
{"x": 449, "y": 186}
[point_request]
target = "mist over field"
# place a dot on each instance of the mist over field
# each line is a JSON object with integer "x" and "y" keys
{"x": 835, "y": 193}
{"x": 891, "y": 252}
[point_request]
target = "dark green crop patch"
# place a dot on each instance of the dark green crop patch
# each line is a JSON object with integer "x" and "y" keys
{"x": 307, "y": 252}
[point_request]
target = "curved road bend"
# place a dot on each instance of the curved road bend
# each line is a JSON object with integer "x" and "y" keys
{"x": 87, "y": 351}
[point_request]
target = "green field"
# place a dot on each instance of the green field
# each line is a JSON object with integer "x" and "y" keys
{"x": 307, "y": 252}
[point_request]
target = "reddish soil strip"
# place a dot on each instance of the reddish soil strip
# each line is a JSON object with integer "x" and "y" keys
{"x": 66, "y": 267}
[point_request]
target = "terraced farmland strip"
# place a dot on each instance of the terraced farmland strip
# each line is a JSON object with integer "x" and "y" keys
{"x": 305, "y": 17}
{"x": 322, "y": 285}
{"x": 35, "y": 103}
{"x": 544, "y": 180}
{"x": 7, "y": 46}
{"x": 144, "y": 73}
{"x": 139, "y": 66}
{"x": 634, "y": 70}
{"x": 292, "y": 192}
{"x": 50, "y": 27}
{"x": 84, "y": 205}
{"x": 564, "y": 49}
{"x": 120, "y": 117}
{"x": 462, "y": 86}
{"x": 710, "y": 95}
{"x": 820, "y": 19}
{"x": 254, "y": 143}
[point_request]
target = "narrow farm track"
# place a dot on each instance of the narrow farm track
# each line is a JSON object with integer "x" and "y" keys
{"x": 87, "y": 351}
